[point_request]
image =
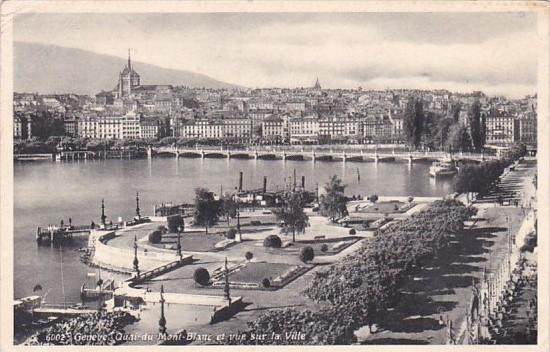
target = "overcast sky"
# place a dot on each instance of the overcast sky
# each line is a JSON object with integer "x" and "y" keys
{"x": 493, "y": 52}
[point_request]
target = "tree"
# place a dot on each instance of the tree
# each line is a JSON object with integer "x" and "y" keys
{"x": 248, "y": 256}
{"x": 459, "y": 138}
{"x": 292, "y": 214}
{"x": 474, "y": 117}
{"x": 201, "y": 276}
{"x": 228, "y": 207}
{"x": 333, "y": 202}
{"x": 306, "y": 254}
{"x": 413, "y": 121}
{"x": 373, "y": 198}
{"x": 441, "y": 134}
{"x": 206, "y": 208}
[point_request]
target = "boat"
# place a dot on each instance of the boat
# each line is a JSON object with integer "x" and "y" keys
{"x": 444, "y": 167}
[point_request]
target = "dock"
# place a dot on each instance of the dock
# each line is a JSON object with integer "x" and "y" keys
{"x": 54, "y": 234}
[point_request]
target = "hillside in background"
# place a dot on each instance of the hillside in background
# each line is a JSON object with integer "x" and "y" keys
{"x": 50, "y": 69}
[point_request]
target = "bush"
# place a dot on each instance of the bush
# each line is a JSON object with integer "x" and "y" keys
{"x": 255, "y": 223}
{"x": 373, "y": 198}
{"x": 248, "y": 256}
{"x": 324, "y": 247}
{"x": 201, "y": 276}
{"x": 272, "y": 241}
{"x": 352, "y": 231}
{"x": 410, "y": 199}
{"x": 162, "y": 229}
{"x": 155, "y": 236}
{"x": 230, "y": 234}
{"x": 306, "y": 254}
{"x": 266, "y": 283}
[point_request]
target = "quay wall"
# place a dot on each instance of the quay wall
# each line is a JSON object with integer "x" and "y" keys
{"x": 122, "y": 259}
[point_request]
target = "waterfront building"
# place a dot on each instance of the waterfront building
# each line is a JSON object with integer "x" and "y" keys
{"x": 149, "y": 128}
{"x": 238, "y": 129}
{"x": 87, "y": 127}
{"x": 109, "y": 126}
{"x": 396, "y": 120}
{"x": 528, "y": 130}
{"x": 273, "y": 128}
{"x": 377, "y": 129}
{"x": 304, "y": 130}
{"x": 501, "y": 130}
{"x": 17, "y": 126}
{"x": 201, "y": 128}
{"x": 71, "y": 127}
{"x": 339, "y": 128}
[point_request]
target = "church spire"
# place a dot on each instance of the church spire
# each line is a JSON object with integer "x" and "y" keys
{"x": 129, "y": 61}
{"x": 317, "y": 84}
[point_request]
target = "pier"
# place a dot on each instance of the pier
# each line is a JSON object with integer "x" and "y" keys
{"x": 54, "y": 233}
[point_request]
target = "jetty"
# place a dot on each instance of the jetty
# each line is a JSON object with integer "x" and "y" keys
{"x": 55, "y": 234}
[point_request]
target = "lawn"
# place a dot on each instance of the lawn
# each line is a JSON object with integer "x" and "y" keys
{"x": 194, "y": 242}
{"x": 331, "y": 249}
{"x": 256, "y": 272}
{"x": 386, "y": 207}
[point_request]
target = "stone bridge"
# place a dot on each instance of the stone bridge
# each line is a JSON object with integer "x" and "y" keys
{"x": 311, "y": 154}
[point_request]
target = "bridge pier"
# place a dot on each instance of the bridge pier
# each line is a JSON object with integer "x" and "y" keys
{"x": 376, "y": 157}
{"x": 202, "y": 154}
{"x": 284, "y": 156}
{"x": 255, "y": 155}
{"x": 149, "y": 152}
{"x": 410, "y": 158}
{"x": 344, "y": 157}
{"x": 313, "y": 156}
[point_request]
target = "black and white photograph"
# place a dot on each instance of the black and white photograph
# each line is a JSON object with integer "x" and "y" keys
{"x": 302, "y": 174}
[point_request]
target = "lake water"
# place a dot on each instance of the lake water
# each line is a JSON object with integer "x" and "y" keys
{"x": 46, "y": 192}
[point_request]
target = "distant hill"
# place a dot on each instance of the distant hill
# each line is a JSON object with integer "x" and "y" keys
{"x": 53, "y": 69}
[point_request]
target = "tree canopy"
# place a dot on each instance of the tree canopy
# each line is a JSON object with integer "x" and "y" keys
{"x": 292, "y": 214}
{"x": 333, "y": 202}
{"x": 207, "y": 209}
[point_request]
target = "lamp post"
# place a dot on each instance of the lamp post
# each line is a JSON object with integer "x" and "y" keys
{"x": 138, "y": 210}
{"x": 103, "y": 217}
{"x": 162, "y": 320}
{"x": 238, "y": 213}
{"x": 227, "y": 294}
{"x": 178, "y": 249}
{"x": 136, "y": 261}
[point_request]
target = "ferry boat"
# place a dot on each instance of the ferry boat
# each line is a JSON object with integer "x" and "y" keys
{"x": 445, "y": 167}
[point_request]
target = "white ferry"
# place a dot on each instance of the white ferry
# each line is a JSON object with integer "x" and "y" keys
{"x": 445, "y": 167}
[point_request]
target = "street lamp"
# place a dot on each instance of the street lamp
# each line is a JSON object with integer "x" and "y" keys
{"x": 178, "y": 249}
{"x": 238, "y": 215}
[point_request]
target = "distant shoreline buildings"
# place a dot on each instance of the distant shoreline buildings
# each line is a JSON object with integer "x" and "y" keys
{"x": 263, "y": 116}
